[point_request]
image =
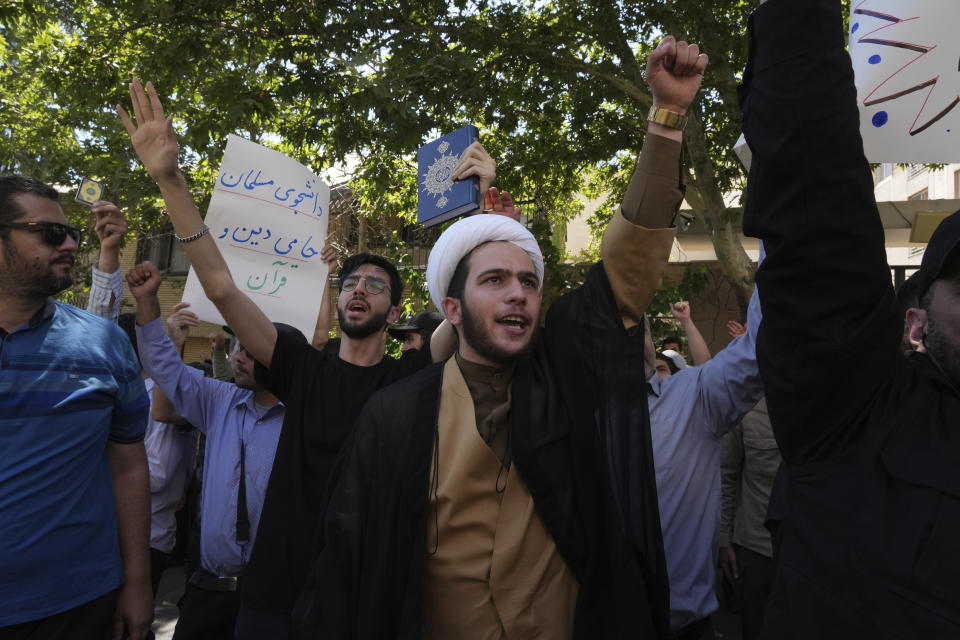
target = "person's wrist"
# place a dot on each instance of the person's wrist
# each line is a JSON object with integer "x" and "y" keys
{"x": 664, "y": 132}
{"x": 670, "y": 105}
{"x": 174, "y": 179}
{"x": 109, "y": 261}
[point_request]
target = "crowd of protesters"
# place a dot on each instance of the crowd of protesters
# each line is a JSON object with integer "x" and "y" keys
{"x": 512, "y": 474}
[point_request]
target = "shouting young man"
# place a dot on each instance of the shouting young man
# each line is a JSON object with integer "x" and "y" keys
{"x": 483, "y": 497}
{"x": 323, "y": 391}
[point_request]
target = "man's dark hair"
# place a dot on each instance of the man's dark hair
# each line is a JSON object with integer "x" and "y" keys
{"x": 458, "y": 281}
{"x": 670, "y": 363}
{"x": 13, "y": 186}
{"x": 425, "y": 335}
{"x": 907, "y": 294}
{"x": 354, "y": 262}
{"x": 671, "y": 340}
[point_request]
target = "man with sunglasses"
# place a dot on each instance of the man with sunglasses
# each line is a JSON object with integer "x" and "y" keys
{"x": 323, "y": 390}
{"x": 74, "y": 493}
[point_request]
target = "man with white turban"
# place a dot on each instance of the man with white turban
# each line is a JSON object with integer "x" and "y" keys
{"x": 481, "y": 497}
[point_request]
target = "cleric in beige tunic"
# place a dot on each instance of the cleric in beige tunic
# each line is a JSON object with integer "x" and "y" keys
{"x": 485, "y": 497}
{"x": 486, "y": 563}
{"x": 493, "y": 571}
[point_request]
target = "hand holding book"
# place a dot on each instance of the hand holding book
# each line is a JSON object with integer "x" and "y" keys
{"x": 455, "y": 172}
{"x": 475, "y": 161}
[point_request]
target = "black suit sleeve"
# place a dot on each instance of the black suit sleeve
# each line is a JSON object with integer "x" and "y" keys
{"x": 830, "y": 329}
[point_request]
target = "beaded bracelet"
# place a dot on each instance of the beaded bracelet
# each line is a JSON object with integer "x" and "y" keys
{"x": 196, "y": 236}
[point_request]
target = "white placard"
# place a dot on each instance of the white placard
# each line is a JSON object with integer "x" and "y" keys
{"x": 906, "y": 55}
{"x": 268, "y": 216}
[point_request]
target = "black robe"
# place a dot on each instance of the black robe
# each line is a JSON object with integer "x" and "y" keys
{"x": 581, "y": 439}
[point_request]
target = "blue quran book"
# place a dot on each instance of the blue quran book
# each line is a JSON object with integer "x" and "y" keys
{"x": 438, "y": 197}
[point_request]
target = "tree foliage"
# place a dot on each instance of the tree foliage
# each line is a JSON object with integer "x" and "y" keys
{"x": 556, "y": 88}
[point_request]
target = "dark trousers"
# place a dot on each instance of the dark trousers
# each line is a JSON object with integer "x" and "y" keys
{"x": 158, "y": 563}
{"x": 756, "y": 577}
{"x": 699, "y": 630}
{"x": 207, "y": 615}
{"x": 90, "y": 621}
{"x": 262, "y": 624}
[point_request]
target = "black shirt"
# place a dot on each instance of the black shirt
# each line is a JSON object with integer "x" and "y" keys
{"x": 323, "y": 395}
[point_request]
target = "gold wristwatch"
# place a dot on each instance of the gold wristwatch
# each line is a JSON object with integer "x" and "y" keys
{"x": 667, "y": 118}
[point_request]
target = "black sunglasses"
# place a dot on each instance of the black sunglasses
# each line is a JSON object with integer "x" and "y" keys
{"x": 53, "y": 233}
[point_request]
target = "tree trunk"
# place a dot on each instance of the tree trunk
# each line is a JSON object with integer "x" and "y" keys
{"x": 362, "y": 235}
{"x": 734, "y": 262}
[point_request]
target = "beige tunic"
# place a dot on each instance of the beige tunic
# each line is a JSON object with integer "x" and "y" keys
{"x": 496, "y": 572}
{"x": 493, "y": 571}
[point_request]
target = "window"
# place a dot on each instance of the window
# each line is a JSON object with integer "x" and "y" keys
{"x": 915, "y": 170}
{"x": 882, "y": 172}
{"x": 956, "y": 184}
{"x": 919, "y": 195}
{"x": 166, "y": 253}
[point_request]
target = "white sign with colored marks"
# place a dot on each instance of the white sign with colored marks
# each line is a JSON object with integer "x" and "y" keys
{"x": 906, "y": 56}
{"x": 269, "y": 217}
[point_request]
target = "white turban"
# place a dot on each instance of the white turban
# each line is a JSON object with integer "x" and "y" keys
{"x": 465, "y": 235}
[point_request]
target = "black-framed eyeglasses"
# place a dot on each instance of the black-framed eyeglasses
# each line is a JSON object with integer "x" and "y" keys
{"x": 373, "y": 284}
{"x": 53, "y": 233}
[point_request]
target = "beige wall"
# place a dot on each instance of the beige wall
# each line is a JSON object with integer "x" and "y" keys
{"x": 712, "y": 308}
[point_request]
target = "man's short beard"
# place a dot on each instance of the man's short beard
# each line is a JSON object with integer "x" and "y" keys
{"x": 477, "y": 336}
{"x": 51, "y": 285}
{"x": 22, "y": 283}
{"x": 376, "y": 322}
{"x": 946, "y": 354}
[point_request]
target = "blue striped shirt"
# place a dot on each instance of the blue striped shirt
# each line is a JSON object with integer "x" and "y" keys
{"x": 69, "y": 383}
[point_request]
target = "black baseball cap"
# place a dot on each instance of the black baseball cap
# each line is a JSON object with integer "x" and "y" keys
{"x": 424, "y": 321}
{"x": 943, "y": 247}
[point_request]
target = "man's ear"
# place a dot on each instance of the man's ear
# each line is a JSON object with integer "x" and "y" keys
{"x": 393, "y": 315}
{"x": 451, "y": 309}
{"x": 916, "y": 322}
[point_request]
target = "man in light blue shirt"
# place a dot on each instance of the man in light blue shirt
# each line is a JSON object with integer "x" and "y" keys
{"x": 242, "y": 423}
{"x": 690, "y": 411}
